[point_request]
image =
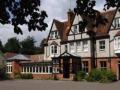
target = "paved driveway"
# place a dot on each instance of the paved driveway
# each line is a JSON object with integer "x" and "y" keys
{"x": 56, "y": 85}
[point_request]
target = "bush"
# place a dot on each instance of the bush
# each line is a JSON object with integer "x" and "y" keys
{"x": 80, "y": 76}
{"x": 101, "y": 76}
{"x": 94, "y": 75}
{"x": 26, "y": 76}
{"x": 3, "y": 74}
{"x": 108, "y": 76}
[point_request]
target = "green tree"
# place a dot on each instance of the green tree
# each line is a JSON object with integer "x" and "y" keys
{"x": 27, "y": 46}
{"x": 12, "y": 45}
{"x": 20, "y": 12}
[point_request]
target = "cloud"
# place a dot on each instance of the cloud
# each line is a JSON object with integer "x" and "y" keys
{"x": 56, "y": 9}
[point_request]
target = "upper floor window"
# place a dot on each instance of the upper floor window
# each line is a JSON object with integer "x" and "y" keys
{"x": 85, "y": 45}
{"x": 72, "y": 49}
{"x": 54, "y": 49}
{"x": 75, "y": 29}
{"x": 102, "y": 45}
{"x": 79, "y": 46}
{"x": 117, "y": 43}
{"x": 54, "y": 35}
{"x": 116, "y": 23}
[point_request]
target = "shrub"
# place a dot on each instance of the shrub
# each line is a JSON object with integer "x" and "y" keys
{"x": 80, "y": 76}
{"x": 101, "y": 75}
{"x": 108, "y": 76}
{"x": 3, "y": 74}
{"x": 26, "y": 76}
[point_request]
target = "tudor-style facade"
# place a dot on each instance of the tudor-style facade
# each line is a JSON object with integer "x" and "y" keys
{"x": 71, "y": 47}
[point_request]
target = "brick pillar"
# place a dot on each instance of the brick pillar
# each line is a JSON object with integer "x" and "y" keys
{"x": 16, "y": 67}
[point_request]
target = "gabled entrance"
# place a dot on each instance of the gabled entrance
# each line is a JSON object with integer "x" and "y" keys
{"x": 68, "y": 64}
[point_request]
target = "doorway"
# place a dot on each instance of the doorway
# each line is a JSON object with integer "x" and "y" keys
{"x": 66, "y": 68}
{"x": 119, "y": 71}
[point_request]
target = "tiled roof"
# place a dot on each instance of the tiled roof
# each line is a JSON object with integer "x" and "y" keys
{"x": 19, "y": 57}
{"x": 104, "y": 29}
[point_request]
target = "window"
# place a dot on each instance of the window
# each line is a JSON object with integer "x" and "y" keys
{"x": 85, "y": 45}
{"x": 54, "y": 35}
{"x": 103, "y": 65}
{"x": 72, "y": 49}
{"x": 102, "y": 45}
{"x": 85, "y": 66}
{"x": 9, "y": 67}
{"x": 54, "y": 49}
{"x": 75, "y": 29}
{"x": 66, "y": 48}
{"x": 79, "y": 46}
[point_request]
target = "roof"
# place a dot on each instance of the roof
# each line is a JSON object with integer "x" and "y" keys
{"x": 37, "y": 58}
{"x": 18, "y": 57}
{"x": 104, "y": 29}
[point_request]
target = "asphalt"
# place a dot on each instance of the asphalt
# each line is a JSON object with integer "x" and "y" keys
{"x": 56, "y": 85}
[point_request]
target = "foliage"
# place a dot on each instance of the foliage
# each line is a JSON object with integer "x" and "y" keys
{"x": 20, "y": 12}
{"x": 12, "y": 45}
{"x": 3, "y": 74}
{"x": 80, "y": 76}
{"x": 27, "y": 45}
{"x": 101, "y": 76}
{"x": 26, "y": 76}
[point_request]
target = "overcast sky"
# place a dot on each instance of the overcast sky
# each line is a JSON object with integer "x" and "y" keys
{"x": 55, "y": 9}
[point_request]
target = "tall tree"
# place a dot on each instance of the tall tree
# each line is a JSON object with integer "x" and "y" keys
{"x": 92, "y": 17}
{"x": 19, "y": 12}
{"x": 12, "y": 45}
{"x": 27, "y": 45}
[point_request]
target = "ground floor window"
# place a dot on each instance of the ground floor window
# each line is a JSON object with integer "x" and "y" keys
{"x": 85, "y": 66}
{"x": 9, "y": 67}
{"x": 36, "y": 69}
{"x": 103, "y": 65}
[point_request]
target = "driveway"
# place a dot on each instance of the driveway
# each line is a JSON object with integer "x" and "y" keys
{"x": 56, "y": 85}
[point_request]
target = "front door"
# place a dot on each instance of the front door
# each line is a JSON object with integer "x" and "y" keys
{"x": 66, "y": 68}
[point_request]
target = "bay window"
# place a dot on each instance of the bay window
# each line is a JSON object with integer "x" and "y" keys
{"x": 54, "y": 49}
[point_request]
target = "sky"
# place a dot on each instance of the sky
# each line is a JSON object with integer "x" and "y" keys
{"x": 56, "y": 9}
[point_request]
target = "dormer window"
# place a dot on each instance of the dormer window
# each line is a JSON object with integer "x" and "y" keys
{"x": 75, "y": 29}
{"x": 116, "y": 23}
{"x": 54, "y": 35}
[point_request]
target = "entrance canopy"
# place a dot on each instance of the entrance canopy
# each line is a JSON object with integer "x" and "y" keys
{"x": 66, "y": 54}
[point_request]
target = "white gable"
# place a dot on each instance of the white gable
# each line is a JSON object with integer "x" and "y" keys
{"x": 77, "y": 19}
{"x": 53, "y": 27}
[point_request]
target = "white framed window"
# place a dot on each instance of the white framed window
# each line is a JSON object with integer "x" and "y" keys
{"x": 75, "y": 29}
{"x": 54, "y": 49}
{"x": 54, "y": 35}
{"x": 78, "y": 46}
{"x": 85, "y": 45}
{"x": 72, "y": 47}
{"x": 102, "y": 45}
{"x": 103, "y": 65}
{"x": 85, "y": 66}
{"x": 9, "y": 67}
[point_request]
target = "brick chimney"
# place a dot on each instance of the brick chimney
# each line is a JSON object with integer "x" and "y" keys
{"x": 70, "y": 16}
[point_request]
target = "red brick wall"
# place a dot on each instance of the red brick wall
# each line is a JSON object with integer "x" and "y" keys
{"x": 42, "y": 76}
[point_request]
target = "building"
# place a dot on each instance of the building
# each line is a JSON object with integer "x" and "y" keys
{"x": 67, "y": 50}
{"x": 70, "y": 49}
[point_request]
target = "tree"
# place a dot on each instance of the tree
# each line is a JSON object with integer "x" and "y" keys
{"x": 1, "y": 46}
{"x": 19, "y": 12}
{"x": 27, "y": 45}
{"x": 93, "y": 18}
{"x": 12, "y": 45}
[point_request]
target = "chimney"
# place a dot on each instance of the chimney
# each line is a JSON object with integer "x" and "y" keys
{"x": 70, "y": 16}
